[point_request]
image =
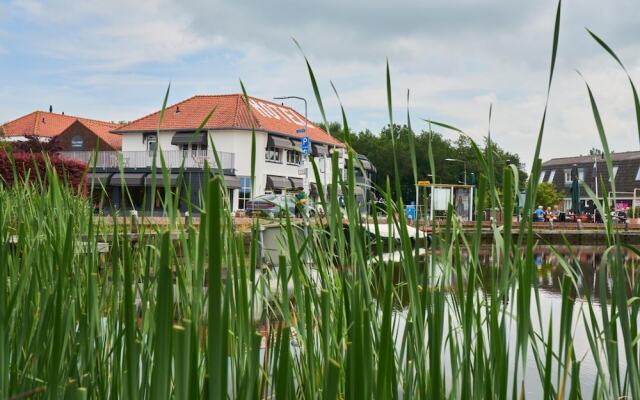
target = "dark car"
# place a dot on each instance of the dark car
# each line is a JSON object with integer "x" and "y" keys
{"x": 268, "y": 205}
{"x": 274, "y": 205}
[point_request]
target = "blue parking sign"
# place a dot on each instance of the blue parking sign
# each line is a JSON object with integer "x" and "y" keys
{"x": 305, "y": 145}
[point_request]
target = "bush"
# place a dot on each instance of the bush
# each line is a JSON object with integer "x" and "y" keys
{"x": 32, "y": 167}
{"x": 547, "y": 195}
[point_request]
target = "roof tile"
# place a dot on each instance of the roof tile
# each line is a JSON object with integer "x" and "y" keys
{"x": 230, "y": 112}
{"x": 46, "y": 124}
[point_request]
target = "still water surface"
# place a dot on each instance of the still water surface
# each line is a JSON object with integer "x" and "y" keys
{"x": 550, "y": 273}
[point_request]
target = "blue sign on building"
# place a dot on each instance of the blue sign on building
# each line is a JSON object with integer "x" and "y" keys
{"x": 305, "y": 145}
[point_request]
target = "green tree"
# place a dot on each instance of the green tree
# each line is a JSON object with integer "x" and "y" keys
{"x": 547, "y": 195}
{"x": 379, "y": 150}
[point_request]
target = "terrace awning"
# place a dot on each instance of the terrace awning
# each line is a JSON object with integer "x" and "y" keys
{"x": 277, "y": 182}
{"x": 297, "y": 145}
{"x": 100, "y": 178}
{"x": 128, "y": 178}
{"x": 181, "y": 138}
{"x": 232, "y": 182}
{"x": 366, "y": 164}
{"x": 319, "y": 149}
{"x": 296, "y": 183}
{"x": 280, "y": 142}
{"x": 173, "y": 180}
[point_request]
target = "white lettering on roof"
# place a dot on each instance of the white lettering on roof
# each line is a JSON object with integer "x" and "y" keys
{"x": 273, "y": 109}
{"x": 292, "y": 116}
{"x": 276, "y": 112}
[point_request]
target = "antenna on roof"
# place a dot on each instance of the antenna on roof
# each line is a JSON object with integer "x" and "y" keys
{"x": 50, "y": 108}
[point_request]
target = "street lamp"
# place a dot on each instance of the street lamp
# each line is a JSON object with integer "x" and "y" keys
{"x": 464, "y": 165}
{"x": 305, "y": 182}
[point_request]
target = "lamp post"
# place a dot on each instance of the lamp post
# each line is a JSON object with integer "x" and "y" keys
{"x": 305, "y": 182}
{"x": 464, "y": 165}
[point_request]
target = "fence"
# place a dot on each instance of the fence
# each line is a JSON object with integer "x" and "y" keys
{"x": 142, "y": 159}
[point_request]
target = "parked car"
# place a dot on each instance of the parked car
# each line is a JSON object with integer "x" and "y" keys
{"x": 268, "y": 205}
{"x": 274, "y": 205}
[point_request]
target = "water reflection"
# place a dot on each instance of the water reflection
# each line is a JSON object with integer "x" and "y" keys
{"x": 585, "y": 260}
{"x": 550, "y": 265}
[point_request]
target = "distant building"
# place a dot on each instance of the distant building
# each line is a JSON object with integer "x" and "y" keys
{"x": 592, "y": 169}
{"x": 71, "y": 133}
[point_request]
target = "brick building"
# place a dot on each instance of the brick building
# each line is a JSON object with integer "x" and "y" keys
{"x": 72, "y": 133}
{"x": 592, "y": 169}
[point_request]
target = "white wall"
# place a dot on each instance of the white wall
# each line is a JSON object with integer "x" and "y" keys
{"x": 238, "y": 142}
{"x": 134, "y": 141}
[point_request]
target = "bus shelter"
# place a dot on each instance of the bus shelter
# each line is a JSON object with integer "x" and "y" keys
{"x": 460, "y": 197}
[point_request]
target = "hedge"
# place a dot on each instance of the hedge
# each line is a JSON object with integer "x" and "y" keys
{"x": 73, "y": 172}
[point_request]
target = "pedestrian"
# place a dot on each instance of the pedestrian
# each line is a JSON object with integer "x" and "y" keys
{"x": 556, "y": 213}
{"x": 538, "y": 214}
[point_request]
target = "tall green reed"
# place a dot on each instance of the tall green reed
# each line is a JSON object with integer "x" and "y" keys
{"x": 188, "y": 310}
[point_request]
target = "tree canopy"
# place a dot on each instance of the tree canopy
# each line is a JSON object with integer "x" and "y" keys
{"x": 379, "y": 150}
{"x": 547, "y": 195}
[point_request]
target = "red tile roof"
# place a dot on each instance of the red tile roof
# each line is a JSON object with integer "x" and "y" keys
{"x": 231, "y": 112}
{"x": 46, "y": 124}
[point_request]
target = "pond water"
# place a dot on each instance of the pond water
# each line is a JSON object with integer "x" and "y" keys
{"x": 550, "y": 274}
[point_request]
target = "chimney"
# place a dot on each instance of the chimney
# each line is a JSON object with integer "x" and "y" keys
{"x": 177, "y": 109}
{"x": 50, "y": 108}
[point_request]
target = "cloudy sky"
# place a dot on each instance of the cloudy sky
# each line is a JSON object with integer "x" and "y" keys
{"x": 113, "y": 59}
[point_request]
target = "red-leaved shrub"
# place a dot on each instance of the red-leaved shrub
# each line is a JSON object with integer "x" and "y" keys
{"x": 33, "y": 166}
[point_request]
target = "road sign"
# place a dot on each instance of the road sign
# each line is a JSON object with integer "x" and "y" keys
{"x": 424, "y": 183}
{"x": 305, "y": 145}
{"x": 300, "y": 130}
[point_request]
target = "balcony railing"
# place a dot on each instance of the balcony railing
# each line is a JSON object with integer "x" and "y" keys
{"x": 142, "y": 159}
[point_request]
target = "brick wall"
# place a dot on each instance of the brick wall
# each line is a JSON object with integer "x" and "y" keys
{"x": 89, "y": 139}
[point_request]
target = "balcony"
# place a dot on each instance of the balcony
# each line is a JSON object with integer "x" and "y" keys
{"x": 144, "y": 159}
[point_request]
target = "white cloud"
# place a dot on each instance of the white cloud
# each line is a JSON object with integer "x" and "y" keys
{"x": 456, "y": 57}
{"x": 115, "y": 34}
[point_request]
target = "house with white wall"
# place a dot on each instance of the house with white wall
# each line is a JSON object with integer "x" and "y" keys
{"x": 279, "y": 163}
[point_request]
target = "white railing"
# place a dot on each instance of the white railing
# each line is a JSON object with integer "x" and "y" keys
{"x": 142, "y": 159}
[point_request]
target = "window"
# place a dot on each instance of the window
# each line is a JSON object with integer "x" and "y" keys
{"x": 152, "y": 143}
{"x": 542, "y": 176}
{"x": 77, "y": 142}
{"x": 272, "y": 154}
{"x": 293, "y": 157}
{"x": 244, "y": 194}
{"x": 551, "y": 176}
{"x": 615, "y": 171}
{"x": 568, "y": 179}
{"x": 567, "y": 176}
{"x": 638, "y": 174}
